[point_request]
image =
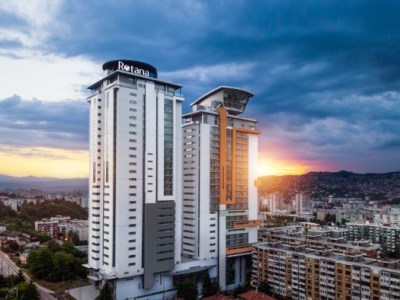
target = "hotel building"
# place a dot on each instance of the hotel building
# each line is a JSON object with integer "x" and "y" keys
{"x": 168, "y": 201}
{"x": 219, "y": 174}
{"x": 135, "y": 178}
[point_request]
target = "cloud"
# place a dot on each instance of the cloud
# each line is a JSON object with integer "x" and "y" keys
{"x": 29, "y": 24}
{"x": 356, "y": 131}
{"x": 325, "y": 75}
{"x": 51, "y": 77}
{"x": 212, "y": 74}
{"x": 62, "y": 124}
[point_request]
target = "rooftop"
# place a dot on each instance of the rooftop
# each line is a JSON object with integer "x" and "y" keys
{"x": 232, "y": 98}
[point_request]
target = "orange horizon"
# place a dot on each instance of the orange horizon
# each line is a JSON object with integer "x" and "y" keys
{"x": 44, "y": 162}
{"x": 62, "y": 163}
{"x": 278, "y": 167}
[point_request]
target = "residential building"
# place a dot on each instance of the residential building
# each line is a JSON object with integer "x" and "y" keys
{"x": 317, "y": 238}
{"x": 343, "y": 216}
{"x": 296, "y": 272}
{"x": 48, "y": 227}
{"x": 58, "y": 227}
{"x": 388, "y": 236}
{"x": 391, "y": 216}
{"x": 81, "y": 227}
{"x": 299, "y": 202}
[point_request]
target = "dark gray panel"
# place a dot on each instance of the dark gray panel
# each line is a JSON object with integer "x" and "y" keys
{"x": 159, "y": 239}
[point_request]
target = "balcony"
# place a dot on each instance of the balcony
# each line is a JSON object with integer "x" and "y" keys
{"x": 246, "y": 224}
{"x": 239, "y": 250}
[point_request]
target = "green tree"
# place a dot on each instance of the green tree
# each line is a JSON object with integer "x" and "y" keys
{"x": 63, "y": 266}
{"x": 106, "y": 293}
{"x": 210, "y": 288}
{"x": 57, "y": 263}
{"x": 40, "y": 262}
{"x": 28, "y": 291}
{"x": 6, "y": 212}
{"x": 187, "y": 289}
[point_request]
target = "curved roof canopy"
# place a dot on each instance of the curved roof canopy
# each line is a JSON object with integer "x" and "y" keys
{"x": 232, "y": 98}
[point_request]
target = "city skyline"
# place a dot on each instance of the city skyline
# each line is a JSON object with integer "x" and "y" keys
{"x": 325, "y": 76}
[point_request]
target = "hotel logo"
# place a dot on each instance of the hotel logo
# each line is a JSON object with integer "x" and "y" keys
{"x": 132, "y": 69}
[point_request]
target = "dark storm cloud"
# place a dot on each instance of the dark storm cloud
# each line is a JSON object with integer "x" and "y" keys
{"x": 326, "y": 74}
{"x": 46, "y": 124}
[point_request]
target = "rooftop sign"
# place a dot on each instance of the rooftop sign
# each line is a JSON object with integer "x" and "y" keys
{"x": 133, "y": 69}
{"x": 131, "y": 66}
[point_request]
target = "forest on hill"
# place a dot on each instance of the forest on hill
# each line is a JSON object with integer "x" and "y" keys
{"x": 339, "y": 184}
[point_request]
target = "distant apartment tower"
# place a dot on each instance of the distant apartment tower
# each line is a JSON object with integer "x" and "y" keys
{"x": 219, "y": 172}
{"x": 55, "y": 227}
{"x": 299, "y": 202}
{"x": 273, "y": 200}
{"x": 48, "y": 227}
{"x": 135, "y": 177}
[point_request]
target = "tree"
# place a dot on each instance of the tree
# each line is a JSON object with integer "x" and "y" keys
{"x": 40, "y": 262}
{"x": 73, "y": 237}
{"x": 63, "y": 266}
{"x": 28, "y": 291}
{"x": 3, "y": 281}
{"x": 106, "y": 293}
{"x": 209, "y": 287}
{"x": 20, "y": 277}
{"x": 57, "y": 263}
{"x": 187, "y": 289}
{"x": 265, "y": 288}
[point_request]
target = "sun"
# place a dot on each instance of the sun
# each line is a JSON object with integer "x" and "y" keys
{"x": 279, "y": 167}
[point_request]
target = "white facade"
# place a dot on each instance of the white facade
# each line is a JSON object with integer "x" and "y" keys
{"x": 135, "y": 173}
{"x": 156, "y": 211}
{"x": 299, "y": 202}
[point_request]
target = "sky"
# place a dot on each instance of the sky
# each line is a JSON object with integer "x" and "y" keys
{"x": 325, "y": 74}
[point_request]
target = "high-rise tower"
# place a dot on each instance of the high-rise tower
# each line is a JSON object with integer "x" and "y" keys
{"x": 135, "y": 178}
{"x": 219, "y": 217}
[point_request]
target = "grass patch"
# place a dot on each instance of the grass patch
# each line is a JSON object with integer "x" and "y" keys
{"x": 62, "y": 285}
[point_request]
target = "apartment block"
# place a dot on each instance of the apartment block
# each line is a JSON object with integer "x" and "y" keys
{"x": 58, "y": 227}
{"x": 318, "y": 238}
{"x": 298, "y": 272}
{"x": 388, "y": 236}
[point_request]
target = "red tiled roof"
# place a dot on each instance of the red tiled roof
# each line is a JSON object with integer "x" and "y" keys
{"x": 255, "y": 295}
{"x": 216, "y": 297}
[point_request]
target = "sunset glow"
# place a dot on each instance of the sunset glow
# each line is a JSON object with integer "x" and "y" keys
{"x": 43, "y": 162}
{"x": 279, "y": 167}
{"x": 61, "y": 163}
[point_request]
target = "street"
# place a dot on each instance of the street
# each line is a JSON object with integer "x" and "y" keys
{"x": 7, "y": 267}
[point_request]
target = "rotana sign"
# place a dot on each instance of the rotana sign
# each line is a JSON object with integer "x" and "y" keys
{"x": 132, "y": 69}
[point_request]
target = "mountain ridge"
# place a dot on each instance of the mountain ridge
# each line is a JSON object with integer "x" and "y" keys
{"x": 47, "y": 184}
